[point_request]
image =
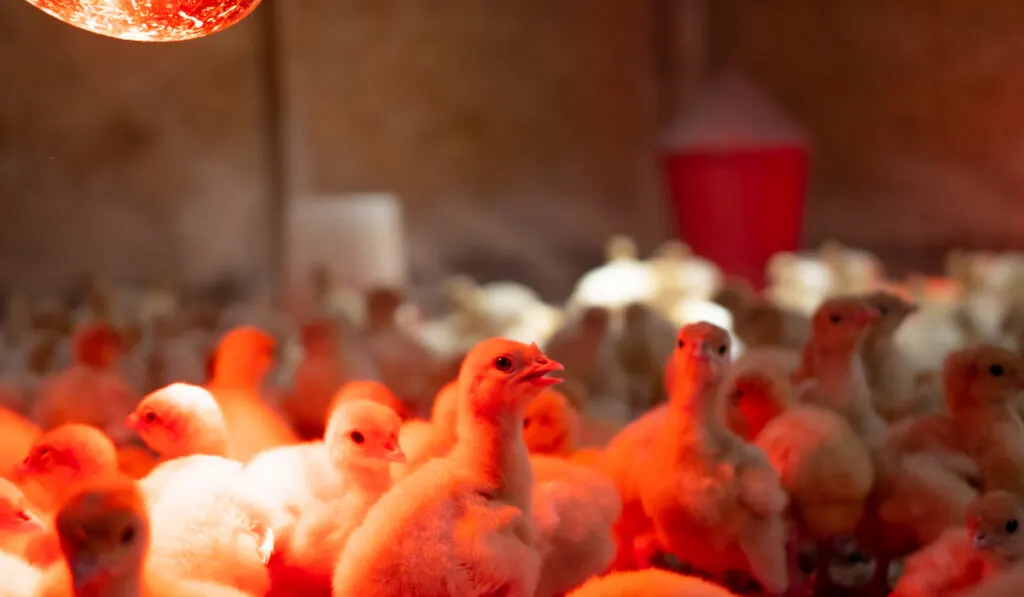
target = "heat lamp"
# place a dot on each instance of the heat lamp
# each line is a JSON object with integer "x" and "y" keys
{"x": 149, "y": 20}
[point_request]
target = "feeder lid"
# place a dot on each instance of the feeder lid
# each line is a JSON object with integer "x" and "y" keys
{"x": 732, "y": 112}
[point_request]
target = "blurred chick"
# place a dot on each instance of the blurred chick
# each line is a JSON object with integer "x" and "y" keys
{"x": 90, "y": 391}
{"x": 642, "y": 348}
{"x": 551, "y": 426}
{"x": 423, "y": 440}
{"x": 963, "y": 558}
{"x": 587, "y": 348}
{"x": 890, "y": 373}
{"x": 19, "y": 434}
{"x": 317, "y": 378}
{"x": 61, "y": 458}
{"x": 762, "y": 323}
{"x": 18, "y": 523}
{"x": 243, "y": 359}
{"x": 363, "y": 445}
{"x": 180, "y": 420}
{"x": 373, "y": 391}
{"x": 730, "y": 515}
{"x": 104, "y": 535}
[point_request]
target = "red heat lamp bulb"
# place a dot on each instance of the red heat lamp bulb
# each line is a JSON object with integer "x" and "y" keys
{"x": 149, "y": 20}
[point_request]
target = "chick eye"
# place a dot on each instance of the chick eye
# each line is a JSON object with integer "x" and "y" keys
{"x": 23, "y": 516}
{"x": 503, "y": 364}
{"x": 526, "y": 423}
{"x": 149, "y": 417}
{"x": 722, "y": 349}
{"x": 835, "y": 319}
{"x": 357, "y": 437}
{"x": 997, "y": 371}
{"x": 1011, "y": 526}
{"x": 882, "y": 309}
{"x": 43, "y": 453}
{"x": 127, "y": 535}
{"x": 680, "y": 344}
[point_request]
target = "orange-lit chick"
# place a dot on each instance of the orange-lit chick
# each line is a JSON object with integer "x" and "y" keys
{"x": 552, "y": 425}
{"x": 363, "y": 443}
{"x": 715, "y": 501}
{"x": 374, "y": 391}
{"x": 753, "y": 397}
{"x": 890, "y": 374}
{"x": 62, "y": 457}
{"x": 649, "y": 583}
{"x": 19, "y": 434}
{"x": 461, "y": 525}
{"x": 963, "y": 558}
{"x": 180, "y": 420}
{"x": 317, "y": 378}
{"x": 241, "y": 364}
{"x": 104, "y": 536}
{"x": 830, "y": 358}
{"x": 425, "y": 440}
{"x": 90, "y": 391}
{"x": 574, "y": 509}
{"x": 19, "y": 525}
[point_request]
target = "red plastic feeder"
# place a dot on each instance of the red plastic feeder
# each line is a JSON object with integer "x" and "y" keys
{"x": 737, "y": 171}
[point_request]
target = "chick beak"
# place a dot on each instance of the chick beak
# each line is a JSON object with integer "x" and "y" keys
{"x": 132, "y": 422}
{"x": 393, "y": 453}
{"x": 85, "y": 570}
{"x": 981, "y": 542}
{"x": 31, "y": 524}
{"x": 539, "y": 372}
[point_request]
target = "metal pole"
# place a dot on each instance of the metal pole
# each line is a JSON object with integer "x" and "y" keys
{"x": 278, "y": 182}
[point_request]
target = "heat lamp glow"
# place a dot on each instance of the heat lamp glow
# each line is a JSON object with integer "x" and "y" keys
{"x": 149, "y": 20}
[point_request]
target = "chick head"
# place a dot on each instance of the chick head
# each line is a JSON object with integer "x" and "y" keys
{"x": 892, "y": 309}
{"x": 97, "y": 345}
{"x": 994, "y": 522}
{"x": 66, "y": 455}
{"x": 246, "y": 354}
{"x": 499, "y": 377}
{"x": 840, "y": 323}
{"x": 595, "y": 321}
{"x": 363, "y": 434}
{"x": 374, "y": 391}
{"x": 735, "y": 294}
{"x": 984, "y": 374}
{"x": 15, "y": 516}
{"x": 760, "y": 323}
{"x": 754, "y": 397}
{"x": 552, "y": 425}
{"x": 177, "y": 417}
{"x": 702, "y": 354}
{"x": 103, "y": 531}
{"x": 319, "y": 335}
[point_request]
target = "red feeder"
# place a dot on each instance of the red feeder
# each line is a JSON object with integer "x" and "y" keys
{"x": 737, "y": 172}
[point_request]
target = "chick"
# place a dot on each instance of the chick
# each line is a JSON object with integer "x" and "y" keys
{"x": 180, "y": 420}
{"x": 761, "y": 323}
{"x": 90, "y": 391}
{"x": 830, "y": 358}
{"x": 424, "y": 441}
{"x": 642, "y": 348}
{"x": 586, "y": 345}
{"x": 20, "y": 579}
{"x": 462, "y": 524}
{"x": 551, "y": 426}
{"x": 962, "y": 558}
{"x": 19, "y": 434}
{"x": 104, "y": 536}
{"x": 20, "y": 528}
{"x": 890, "y": 374}
{"x": 363, "y": 445}
{"x": 241, "y": 364}
{"x": 574, "y": 536}
{"x": 753, "y": 397}
{"x": 649, "y": 583}
{"x": 317, "y": 378}
{"x": 62, "y": 457}
{"x": 729, "y": 514}
{"x": 374, "y": 391}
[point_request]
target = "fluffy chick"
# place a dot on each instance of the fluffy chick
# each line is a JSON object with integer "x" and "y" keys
{"x": 180, "y": 420}
{"x": 104, "y": 536}
{"x": 962, "y": 558}
{"x": 374, "y": 391}
{"x": 551, "y": 426}
{"x": 649, "y": 583}
{"x": 425, "y": 440}
{"x": 364, "y": 444}
{"x": 890, "y": 373}
{"x": 62, "y": 457}
{"x": 461, "y": 524}
{"x": 575, "y": 535}
{"x": 316, "y": 379}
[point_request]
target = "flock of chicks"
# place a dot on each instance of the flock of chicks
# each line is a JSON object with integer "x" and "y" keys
{"x": 705, "y": 440}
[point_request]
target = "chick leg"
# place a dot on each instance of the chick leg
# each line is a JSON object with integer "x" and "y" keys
{"x": 764, "y": 543}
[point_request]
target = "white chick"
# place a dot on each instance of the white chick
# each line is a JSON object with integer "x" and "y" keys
{"x": 180, "y": 420}
{"x": 463, "y": 524}
{"x": 19, "y": 578}
{"x": 363, "y": 443}
{"x": 619, "y": 282}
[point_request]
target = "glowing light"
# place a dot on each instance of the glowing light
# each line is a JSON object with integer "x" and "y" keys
{"x": 149, "y": 20}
